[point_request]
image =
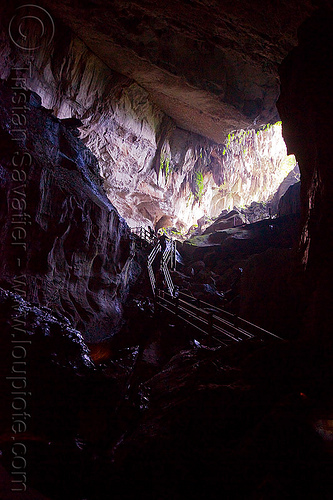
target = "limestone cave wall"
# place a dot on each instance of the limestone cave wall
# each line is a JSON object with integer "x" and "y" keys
{"x": 151, "y": 167}
{"x": 63, "y": 244}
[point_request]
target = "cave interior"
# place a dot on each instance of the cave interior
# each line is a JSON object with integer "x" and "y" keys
{"x": 206, "y": 122}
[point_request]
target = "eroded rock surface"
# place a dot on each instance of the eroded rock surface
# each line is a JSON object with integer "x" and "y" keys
{"x": 151, "y": 166}
{"x": 63, "y": 244}
{"x": 165, "y": 47}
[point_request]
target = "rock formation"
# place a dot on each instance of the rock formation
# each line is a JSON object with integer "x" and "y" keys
{"x": 138, "y": 102}
{"x": 290, "y": 203}
{"x": 165, "y": 47}
{"x": 305, "y": 106}
{"x": 63, "y": 244}
{"x": 150, "y": 165}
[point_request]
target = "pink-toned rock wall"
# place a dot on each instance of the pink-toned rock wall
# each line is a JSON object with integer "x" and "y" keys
{"x": 150, "y": 164}
{"x": 63, "y": 244}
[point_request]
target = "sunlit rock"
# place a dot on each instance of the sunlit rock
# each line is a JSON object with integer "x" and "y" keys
{"x": 150, "y": 166}
{"x": 63, "y": 244}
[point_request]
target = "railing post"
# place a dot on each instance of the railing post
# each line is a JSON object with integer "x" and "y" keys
{"x": 210, "y": 328}
{"x": 156, "y": 305}
{"x": 176, "y": 305}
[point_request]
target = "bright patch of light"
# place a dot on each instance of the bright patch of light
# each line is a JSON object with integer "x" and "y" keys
{"x": 253, "y": 165}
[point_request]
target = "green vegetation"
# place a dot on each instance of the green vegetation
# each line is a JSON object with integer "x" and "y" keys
{"x": 269, "y": 126}
{"x": 241, "y": 138}
{"x": 288, "y": 164}
{"x": 165, "y": 166}
{"x": 238, "y": 138}
{"x": 161, "y": 163}
{"x": 199, "y": 185}
{"x": 189, "y": 200}
{"x": 175, "y": 232}
{"x": 266, "y": 127}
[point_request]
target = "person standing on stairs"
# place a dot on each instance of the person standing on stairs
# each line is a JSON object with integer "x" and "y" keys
{"x": 162, "y": 240}
{"x": 160, "y": 283}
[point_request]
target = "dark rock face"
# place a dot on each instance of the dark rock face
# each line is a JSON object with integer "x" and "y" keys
{"x": 290, "y": 203}
{"x": 213, "y": 419}
{"x": 204, "y": 418}
{"x": 219, "y": 421}
{"x": 305, "y": 106}
{"x": 271, "y": 292}
{"x": 190, "y": 56}
{"x": 150, "y": 166}
{"x": 292, "y": 178}
{"x": 251, "y": 270}
{"x": 44, "y": 366}
{"x": 63, "y": 244}
{"x": 54, "y": 401}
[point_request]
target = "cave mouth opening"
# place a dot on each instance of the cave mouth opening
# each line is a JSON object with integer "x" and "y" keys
{"x": 179, "y": 182}
{"x": 242, "y": 180}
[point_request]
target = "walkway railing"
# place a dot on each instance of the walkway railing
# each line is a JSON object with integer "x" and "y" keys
{"x": 217, "y": 324}
{"x": 144, "y": 234}
{"x": 168, "y": 257}
{"x": 214, "y": 322}
{"x": 151, "y": 257}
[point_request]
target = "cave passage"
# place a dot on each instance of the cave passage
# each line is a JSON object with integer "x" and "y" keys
{"x": 241, "y": 181}
{"x": 165, "y": 277}
{"x": 250, "y": 172}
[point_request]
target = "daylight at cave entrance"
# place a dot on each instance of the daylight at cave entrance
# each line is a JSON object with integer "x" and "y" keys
{"x": 166, "y": 250}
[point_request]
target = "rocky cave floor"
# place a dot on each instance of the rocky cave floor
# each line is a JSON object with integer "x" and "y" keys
{"x": 152, "y": 414}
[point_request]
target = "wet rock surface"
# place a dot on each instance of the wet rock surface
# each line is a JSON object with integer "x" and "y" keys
{"x": 63, "y": 244}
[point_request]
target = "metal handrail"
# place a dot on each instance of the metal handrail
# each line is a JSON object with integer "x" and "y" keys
{"x": 209, "y": 321}
{"x": 151, "y": 257}
{"x": 144, "y": 234}
{"x": 165, "y": 260}
{"x": 207, "y": 318}
{"x": 166, "y": 257}
{"x": 233, "y": 318}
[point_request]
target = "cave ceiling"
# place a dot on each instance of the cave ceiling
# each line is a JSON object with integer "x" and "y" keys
{"x": 210, "y": 65}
